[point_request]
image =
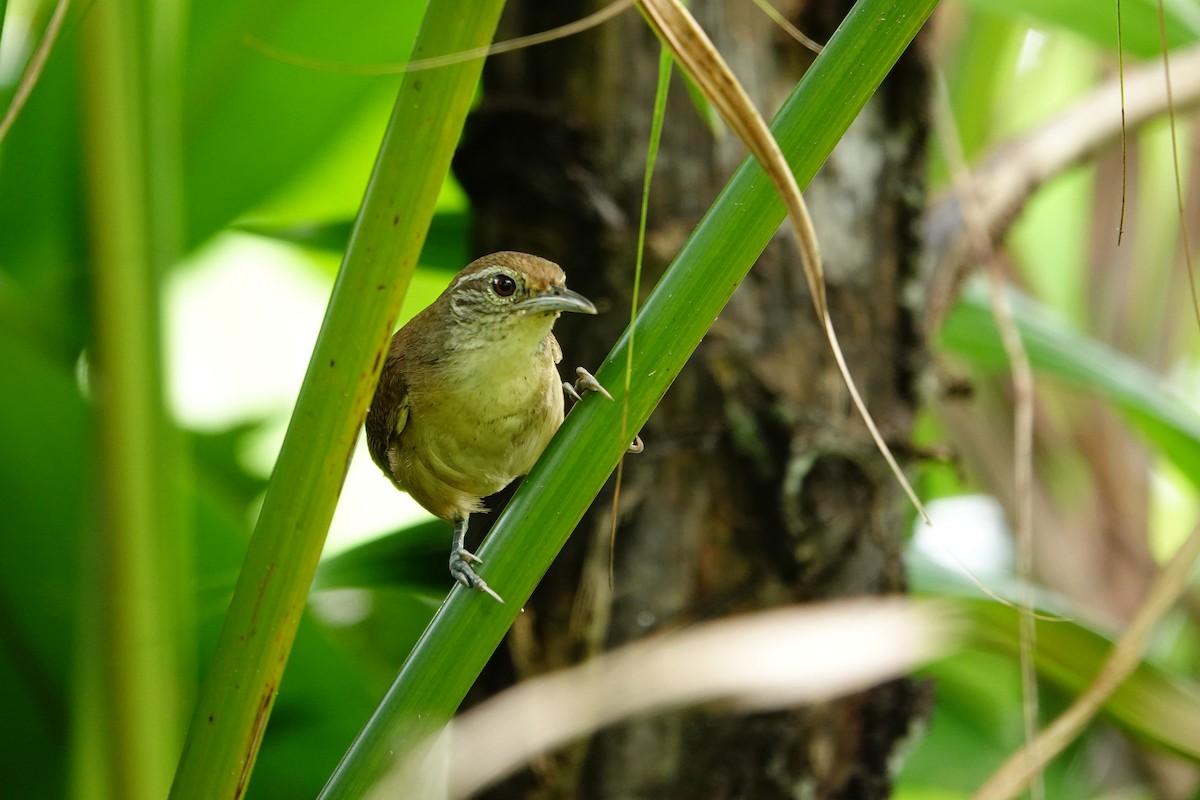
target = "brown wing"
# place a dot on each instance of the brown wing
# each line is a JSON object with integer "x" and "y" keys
{"x": 388, "y": 412}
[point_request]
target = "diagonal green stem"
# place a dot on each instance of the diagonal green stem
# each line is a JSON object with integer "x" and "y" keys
{"x": 554, "y": 497}
{"x": 269, "y": 598}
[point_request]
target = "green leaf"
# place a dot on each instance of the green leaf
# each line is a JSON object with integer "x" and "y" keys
{"x": 253, "y": 117}
{"x": 45, "y": 491}
{"x": 984, "y": 62}
{"x": 1161, "y": 414}
{"x": 1154, "y": 704}
{"x": 43, "y": 246}
{"x": 325, "y": 692}
{"x": 445, "y": 246}
{"x": 1151, "y": 704}
{"x": 217, "y": 454}
{"x": 46, "y": 500}
{"x": 413, "y": 558}
{"x": 1097, "y": 21}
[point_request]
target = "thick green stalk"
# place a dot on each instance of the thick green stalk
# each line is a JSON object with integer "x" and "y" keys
{"x": 554, "y": 497}
{"x": 269, "y": 598}
{"x": 130, "y": 719}
{"x": 164, "y": 39}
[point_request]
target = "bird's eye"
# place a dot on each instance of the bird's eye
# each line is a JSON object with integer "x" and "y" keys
{"x": 504, "y": 285}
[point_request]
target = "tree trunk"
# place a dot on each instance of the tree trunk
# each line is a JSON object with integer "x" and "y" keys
{"x": 759, "y": 485}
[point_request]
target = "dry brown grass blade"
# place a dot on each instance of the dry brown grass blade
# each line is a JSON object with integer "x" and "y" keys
{"x": 760, "y": 661}
{"x": 697, "y": 55}
{"x": 1020, "y": 768}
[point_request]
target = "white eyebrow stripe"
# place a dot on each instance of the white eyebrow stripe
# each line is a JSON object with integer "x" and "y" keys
{"x": 487, "y": 272}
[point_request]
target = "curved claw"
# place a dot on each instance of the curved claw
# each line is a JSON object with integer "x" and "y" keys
{"x": 586, "y": 382}
{"x": 464, "y": 555}
{"x": 460, "y": 568}
{"x": 483, "y": 587}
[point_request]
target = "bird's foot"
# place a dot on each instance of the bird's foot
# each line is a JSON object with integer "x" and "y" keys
{"x": 586, "y": 382}
{"x": 460, "y": 567}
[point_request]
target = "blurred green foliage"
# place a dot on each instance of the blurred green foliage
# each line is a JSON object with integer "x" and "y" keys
{"x": 1107, "y": 329}
{"x": 283, "y": 150}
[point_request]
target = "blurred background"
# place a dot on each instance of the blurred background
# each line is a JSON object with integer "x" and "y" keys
{"x": 261, "y": 121}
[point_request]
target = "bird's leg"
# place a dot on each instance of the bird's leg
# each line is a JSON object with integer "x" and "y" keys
{"x": 586, "y": 382}
{"x": 461, "y": 559}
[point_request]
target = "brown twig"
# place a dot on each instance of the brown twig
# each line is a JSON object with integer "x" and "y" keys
{"x": 1014, "y": 170}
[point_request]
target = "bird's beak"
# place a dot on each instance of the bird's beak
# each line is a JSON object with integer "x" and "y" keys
{"x": 557, "y": 298}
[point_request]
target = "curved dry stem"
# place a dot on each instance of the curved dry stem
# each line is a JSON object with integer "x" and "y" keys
{"x": 696, "y": 53}
{"x": 788, "y": 28}
{"x": 1009, "y": 175}
{"x": 36, "y": 65}
{"x": 1015, "y": 774}
{"x": 561, "y": 32}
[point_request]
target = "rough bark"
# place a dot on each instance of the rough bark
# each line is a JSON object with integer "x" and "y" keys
{"x": 759, "y": 485}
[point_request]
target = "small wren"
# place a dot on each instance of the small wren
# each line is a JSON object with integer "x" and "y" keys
{"x": 470, "y": 394}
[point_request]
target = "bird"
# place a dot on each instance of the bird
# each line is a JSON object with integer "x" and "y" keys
{"x": 469, "y": 394}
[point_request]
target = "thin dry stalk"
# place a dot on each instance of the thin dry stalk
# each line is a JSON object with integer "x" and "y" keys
{"x": 1014, "y": 775}
{"x": 561, "y": 32}
{"x": 786, "y": 25}
{"x": 1022, "y": 378}
{"x": 1183, "y": 228}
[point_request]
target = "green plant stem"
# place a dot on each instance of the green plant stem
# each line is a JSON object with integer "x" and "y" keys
{"x": 555, "y": 495}
{"x": 269, "y": 598}
{"x": 132, "y": 727}
{"x": 164, "y": 40}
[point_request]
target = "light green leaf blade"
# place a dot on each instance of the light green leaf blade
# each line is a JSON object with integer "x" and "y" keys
{"x": 1164, "y": 417}
{"x": 1097, "y": 21}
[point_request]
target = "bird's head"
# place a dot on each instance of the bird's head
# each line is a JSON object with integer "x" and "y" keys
{"x": 513, "y": 290}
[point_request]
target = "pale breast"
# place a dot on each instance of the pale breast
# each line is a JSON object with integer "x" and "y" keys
{"x": 472, "y": 439}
